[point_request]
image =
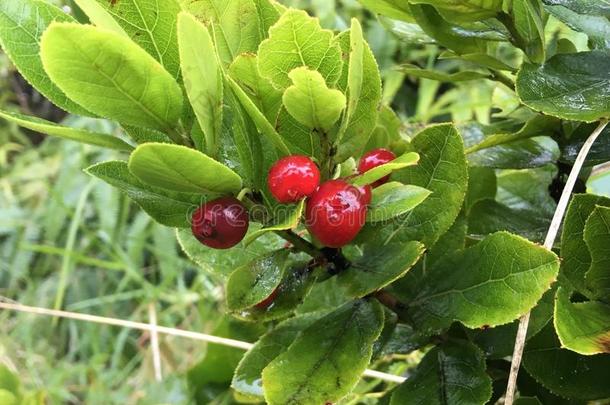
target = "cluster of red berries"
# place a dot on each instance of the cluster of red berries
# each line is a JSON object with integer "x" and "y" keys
{"x": 335, "y": 210}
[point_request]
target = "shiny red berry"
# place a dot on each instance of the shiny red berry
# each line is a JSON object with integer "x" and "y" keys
{"x": 221, "y": 223}
{"x": 366, "y": 194}
{"x": 266, "y": 303}
{"x": 292, "y": 178}
{"x": 374, "y": 158}
{"x": 335, "y": 213}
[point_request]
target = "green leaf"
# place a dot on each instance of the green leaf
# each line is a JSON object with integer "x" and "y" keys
{"x": 100, "y": 16}
{"x": 464, "y": 10}
{"x": 378, "y": 267}
{"x": 327, "y": 359}
{"x": 244, "y": 71}
{"x": 203, "y": 78}
{"x": 489, "y": 284}
{"x": 151, "y": 25}
{"x": 571, "y": 375}
{"x": 442, "y": 76}
{"x": 73, "y": 134}
{"x": 381, "y": 171}
{"x": 286, "y": 217}
{"x": 356, "y": 132}
{"x": 393, "y": 199}
{"x": 8, "y": 398}
{"x": 452, "y": 373}
{"x": 251, "y": 284}
{"x": 179, "y": 168}
{"x": 235, "y": 25}
{"x": 22, "y": 23}
{"x": 529, "y": 19}
{"x": 300, "y": 139}
{"x": 576, "y": 258}
{"x": 442, "y": 169}
{"x": 290, "y": 46}
{"x": 311, "y": 102}
{"x": 583, "y": 6}
{"x": 248, "y": 375}
{"x": 582, "y": 327}
{"x": 482, "y": 185}
{"x": 218, "y": 262}
{"x": 166, "y": 207}
{"x": 9, "y": 381}
{"x": 569, "y": 86}
{"x": 395, "y": 9}
{"x": 129, "y": 86}
{"x": 597, "y": 237}
{"x": 596, "y": 27}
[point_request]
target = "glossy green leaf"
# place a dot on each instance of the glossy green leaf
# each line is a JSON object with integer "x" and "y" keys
{"x": 202, "y": 75}
{"x": 596, "y": 27}
{"x": 235, "y": 25}
{"x": 529, "y": 20}
{"x": 576, "y": 258}
{"x": 129, "y": 86}
{"x": 286, "y": 217}
{"x": 73, "y": 134}
{"x": 248, "y": 375}
{"x": 22, "y": 23}
{"x": 379, "y": 267}
{"x": 151, "y": 25}
{"x": 583, "y": 327}
{"x": 356, "y": 132}
{"x": 327, "y": 359}
{"x": 244, "y": 71}
{"x": 311, "y": 102}
{"x": 464, "y": 10}
{"x": 461, "y": 76}
{"x": 289, "y": 46}
{"x": 597, "y": 237}
{"x": 489, "y": 284}
{"x": 452, "y": 373}
{"x": 381, "y": 171}
{"x": 442, "y": 169}
{"x": 393, "y": 199}
{"x": 222, "y": 263}
{"x": 583, "y": 6}
{"x": 571, "y": 375}
{"x": 179, "y": 168}
{"x": 166, "y": 207}
{"x": 251, "y": 284}
{"x": 395, "y": 9}
{"x": 569, "y": 86}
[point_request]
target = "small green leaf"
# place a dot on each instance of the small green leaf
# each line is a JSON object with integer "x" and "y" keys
{"x": 393, "y": 199}
{"x": 179, "y": 168}
{"x": 311, "y": 102}
{"x": 442, "y": 76}
{"x": 73, "y": 134}
{"x": 166, "y": 207}
{"x": 571, "y": 375}
{"x": 151, "y": 25}
{"x": 596, "y": 26}
{"x": 22, "y": 23}
{"x": 286, "y": 217}
{"x": 248, "y": 375}
{"x": 202, "y": 75}
{"x": 290, "y": 46}
{"x": 464, "y": 10}
{"x": 379, "y": 266}
{"x": 597, "y": 237}
{"x": 379, "y": 172}
{"x": 452, "y": 373}
{"x": 569, "y": 86}
{"x": 395, "y": 9}
{"x": 327, "y": 359}
{"x": 488, "y": 284}
{"x": 250, "y": 284}
{"x": 529, "y": 19}
{"x": 100, "y": 16}
{"x": 111, "y": 76}
{"x": 582, "y": 327}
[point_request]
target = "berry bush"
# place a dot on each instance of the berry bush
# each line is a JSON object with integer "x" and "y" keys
{"x": 351, "y": 229}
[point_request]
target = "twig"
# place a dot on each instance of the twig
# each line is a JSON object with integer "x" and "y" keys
{"x": 548, "y": 243}
{"x": 154, "y": 341}
{"x": 160, "y": 329}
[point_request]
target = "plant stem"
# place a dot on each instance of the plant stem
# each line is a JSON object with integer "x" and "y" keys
{"x": 300, "y": 243}
{"x": 504, "y": 79}
{"x": 548, "y": 243}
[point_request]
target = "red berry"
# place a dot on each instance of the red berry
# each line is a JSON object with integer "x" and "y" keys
{"x": 266, "y": 303}
{"x": 292, "y": 178}
{"x": 335, "y": 213}
{"x": 221, "y": 223}
{"x": 366, "y": 193}
{"x": 374, "y": 158}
